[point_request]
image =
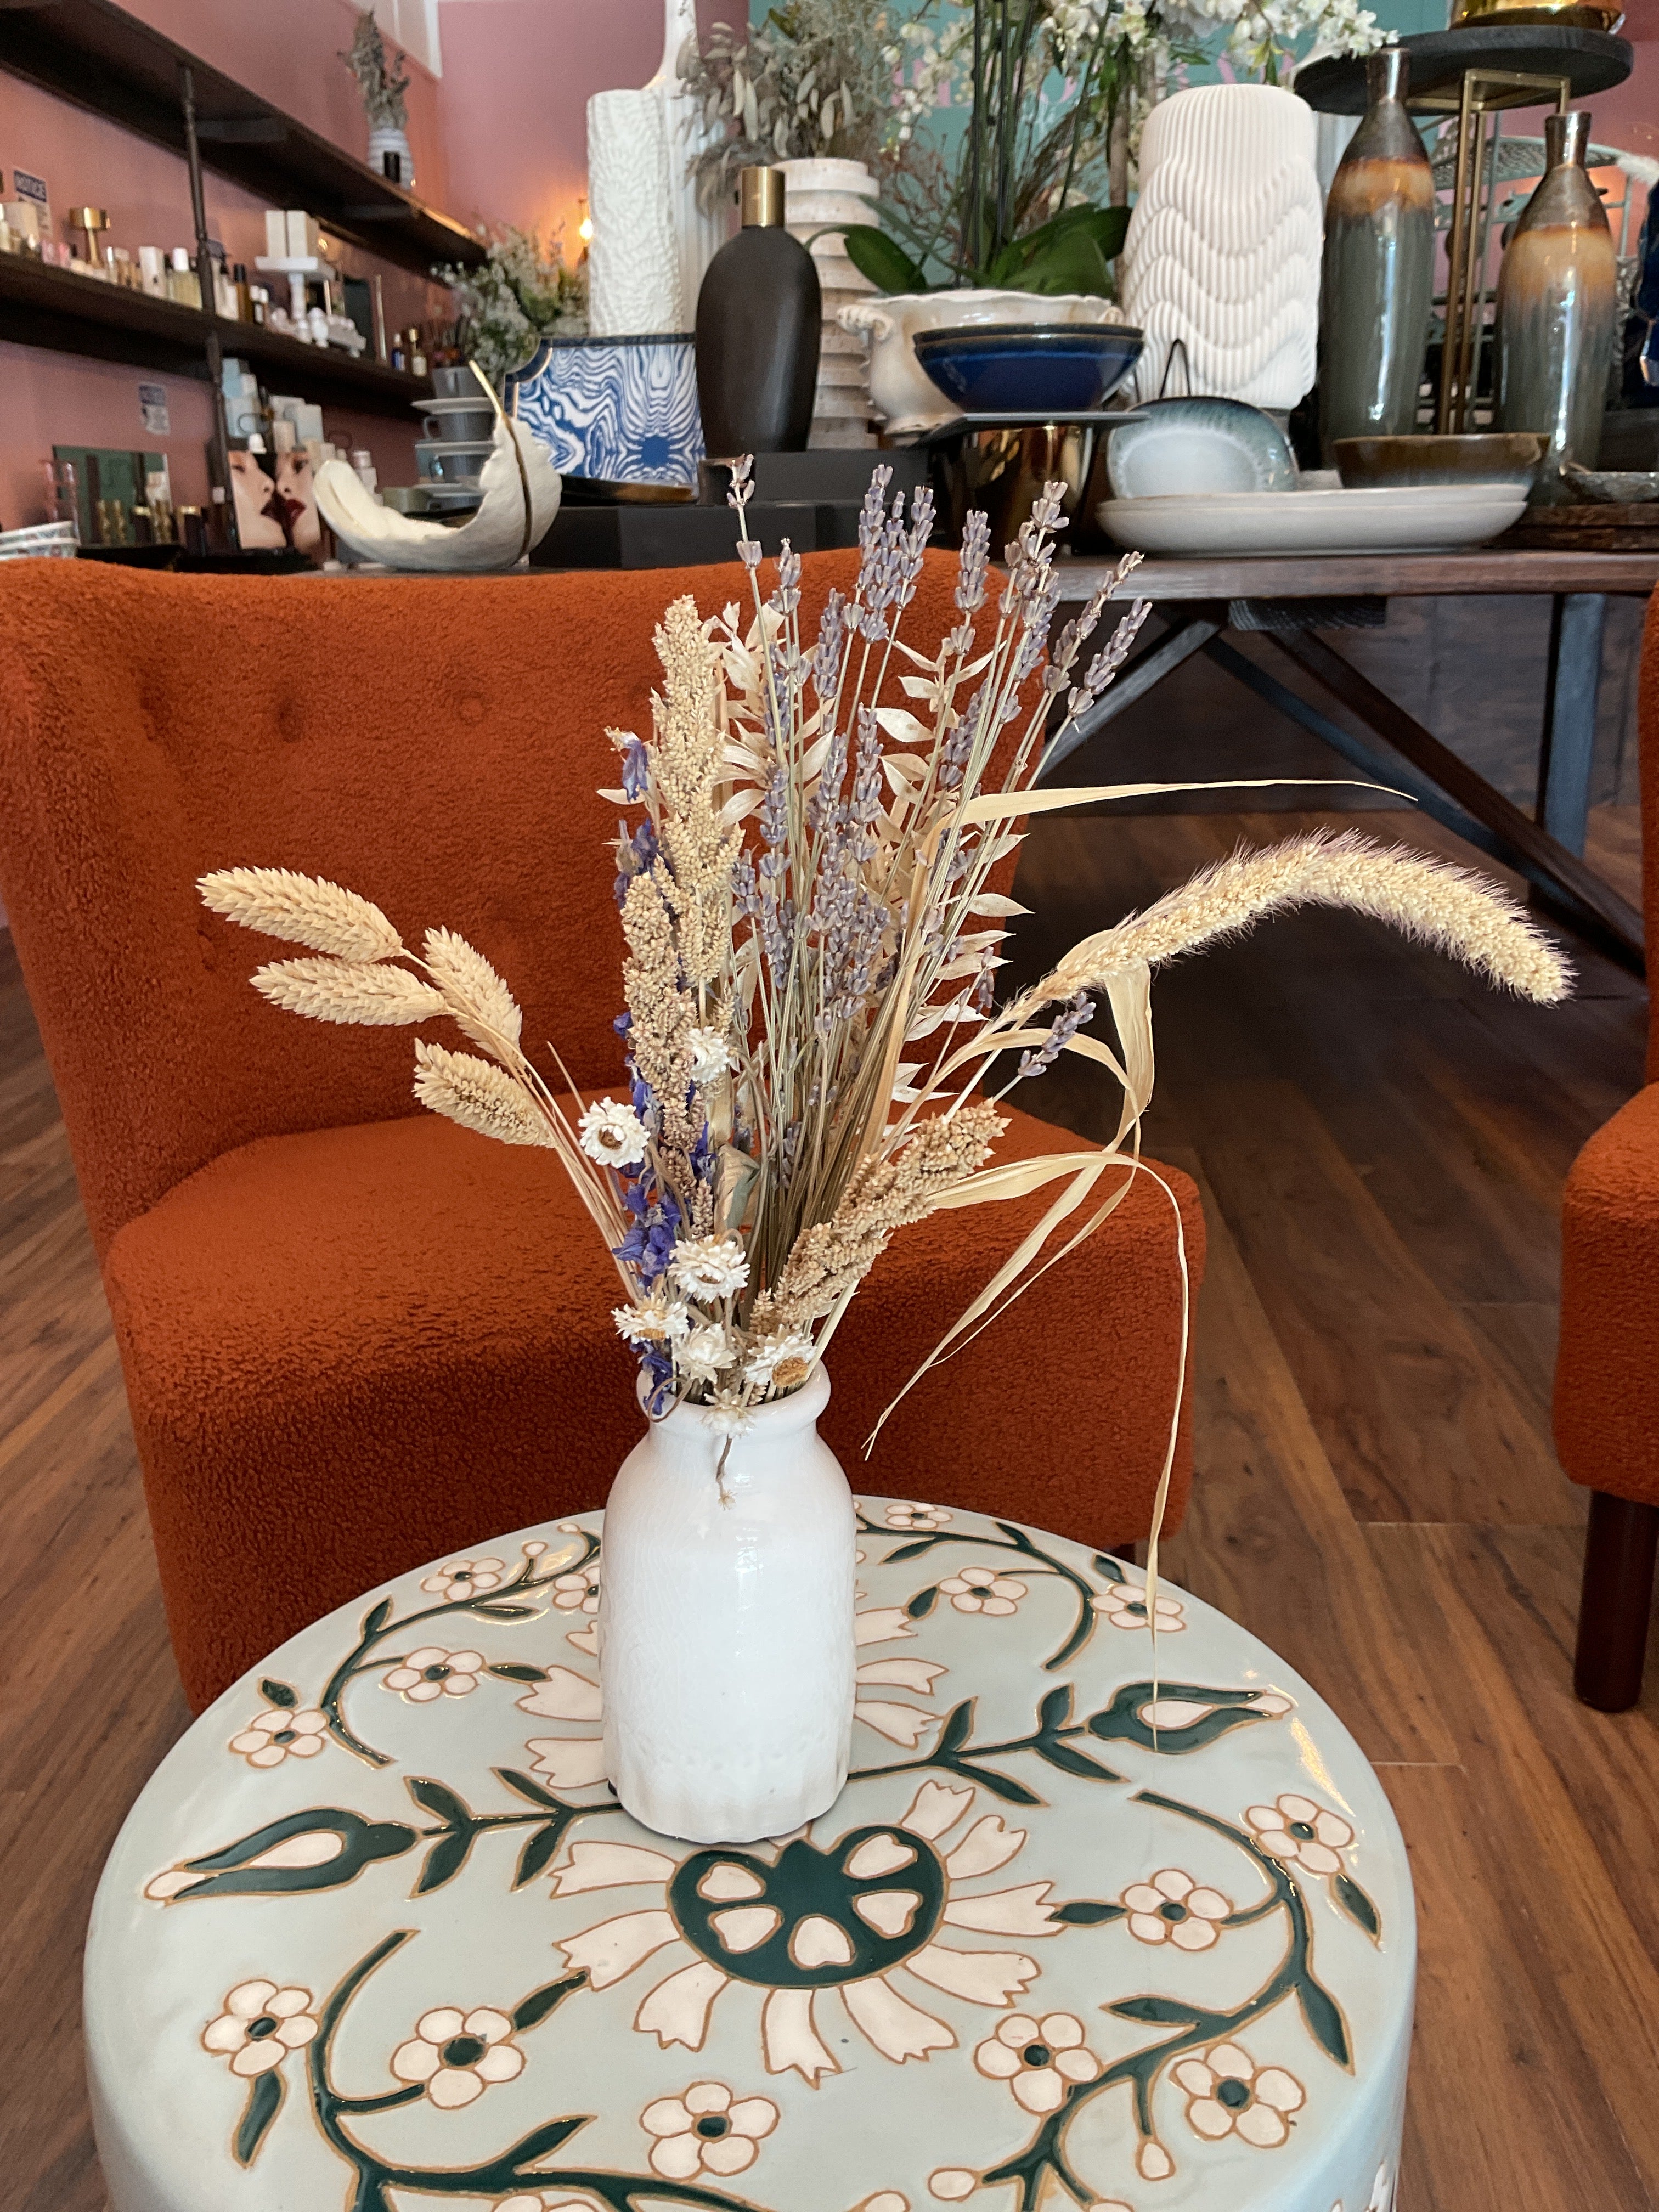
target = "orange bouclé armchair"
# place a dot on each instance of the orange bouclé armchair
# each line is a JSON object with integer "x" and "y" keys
{"x": 1607, "y": 1375}
{"x": 356, "y": 1337}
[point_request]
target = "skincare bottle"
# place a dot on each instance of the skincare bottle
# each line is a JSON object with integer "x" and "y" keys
{"x": 239, "y": 279}
{"x": 417, "y": 357}
{"x": 183, "y": 286}
{"x": 399, "y": 355}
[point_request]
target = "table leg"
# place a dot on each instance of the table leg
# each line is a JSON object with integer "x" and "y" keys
{"x": 1532, "y": 849}
{"x": 1567, "y": 755}
{"x": 1143, "y": 674}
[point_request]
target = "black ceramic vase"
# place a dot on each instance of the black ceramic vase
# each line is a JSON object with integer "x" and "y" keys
{"x": 1377, "y": 281}
{"x": 758, "y": 326}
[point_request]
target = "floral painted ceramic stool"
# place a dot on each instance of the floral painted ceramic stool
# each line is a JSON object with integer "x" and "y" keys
{"x": 377, "y": 1936}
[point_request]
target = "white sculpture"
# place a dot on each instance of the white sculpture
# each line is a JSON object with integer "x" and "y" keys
{"x": 700, "y": 234}
{"x": 634, "y": 261}
{"x": 520, "y": 499}
{"x": 1223, "y": 251}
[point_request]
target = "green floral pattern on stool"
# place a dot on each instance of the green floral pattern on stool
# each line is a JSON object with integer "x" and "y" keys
{"x": 1117, "y": 1937}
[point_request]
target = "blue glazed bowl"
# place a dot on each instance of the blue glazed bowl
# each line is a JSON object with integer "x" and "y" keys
{"x": 1037, "y": 368}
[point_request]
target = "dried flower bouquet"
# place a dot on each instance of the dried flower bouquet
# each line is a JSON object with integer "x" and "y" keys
{"x": 812, "y": 939}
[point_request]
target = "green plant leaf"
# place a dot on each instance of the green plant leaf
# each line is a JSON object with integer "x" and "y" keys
{"x": 1070, "y": 263}
{"x": 1160, "y": 2012}
{"x": 444, "y": 1861}
{"x": 236, "y": 1871}
{"x": 886, "y": 263}
{"x": 1325, "y": 2025}
{"x": 1000, "y": 1785}
{"x": 1358, "y": 1906}
{"x": 923, "y": 1603}
{"x": 1070, "y": 1762}
{"x": 543, "y": 1843}
{"x": 438, "y": 1797}
{"x": 958, "y": 1727}
{"x": 278, "y": 1693}
{"x": 1086, "y": 1913}
{"x": 532, "y": 2010}
{"x": 540, "y": 2141}
{"x": 525, "y": 1787}
{"x": 1055, "y": 1710}
{"x": 264, "y": 2103}
{"x": 1120, "y": 1722}
{"x": 517, "y": 1670}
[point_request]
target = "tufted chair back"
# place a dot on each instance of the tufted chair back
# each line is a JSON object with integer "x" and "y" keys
{"x": 432, "y": 744}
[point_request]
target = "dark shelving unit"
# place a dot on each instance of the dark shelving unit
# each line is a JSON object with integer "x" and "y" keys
{"x": 96, "y": 55}
{"x": 44, "y": 307}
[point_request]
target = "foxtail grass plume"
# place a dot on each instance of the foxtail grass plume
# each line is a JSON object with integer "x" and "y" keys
{"x": 1451, "y": 908}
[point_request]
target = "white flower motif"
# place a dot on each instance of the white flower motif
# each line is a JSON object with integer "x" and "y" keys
{"x": 652, "y": 1324}
{"x": 1305, "y": 1834}
{"x": 613, "y": 1135}
{"x": 707, "y": 2130}
{"x": 710, "y": 1267}
{"x": 705, "y": 1353}
{"x": 1228, "y": 2094}
{"x": 922, "y": 1519}
{"x": 1172, "y": 1908}
{"x": 466, "y": 1578}
{"x": 1124, "y": 1604}
{"x": 578, "y": 1589}
{"x": 885, "y": 2200}
{"x": 432, "y": 1672}
{"x": 858, "y": 1954}
{"x": 952, "y": 2184}
{"x": 1381, "y": 2195}
{"x": 711, "y": 1055}
{"x": 979, "y": 1589}
{"x": 1152, "y": 2162}
{"x": 259, "y": 2025}
{"x": 455, "y": 2055}
{"x": 1039, "y": 2059}
{"x": 276, "y": 1734}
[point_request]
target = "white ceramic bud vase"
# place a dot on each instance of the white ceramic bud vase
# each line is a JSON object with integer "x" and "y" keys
{"x": 726, "y": 1624}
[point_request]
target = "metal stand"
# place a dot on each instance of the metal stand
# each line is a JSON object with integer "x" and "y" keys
{"x": 1480, "y": 94}
{"x": 224, "y": 494}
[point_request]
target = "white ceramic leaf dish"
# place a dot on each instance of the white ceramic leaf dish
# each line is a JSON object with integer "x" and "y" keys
{"x": 1372, "y": 519}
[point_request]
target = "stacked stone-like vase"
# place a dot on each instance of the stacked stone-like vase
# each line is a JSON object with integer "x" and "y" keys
{"x": 820, "y": 195}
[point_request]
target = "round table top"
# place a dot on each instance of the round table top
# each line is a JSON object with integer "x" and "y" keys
{"x": 376, "y": 1934}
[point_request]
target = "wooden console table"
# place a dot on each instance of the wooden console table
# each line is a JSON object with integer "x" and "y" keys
{"x": 1290, "y": 600}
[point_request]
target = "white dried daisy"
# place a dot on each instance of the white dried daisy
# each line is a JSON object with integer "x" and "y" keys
{"x": 613, "y": 1135}
{"x": 652, "y": 1324}
{"x": 704, "y": 1353}
{"x": 710, "y": 1267}
{"x": 711, "y": 1055}
{"x": 782, "y": 1361}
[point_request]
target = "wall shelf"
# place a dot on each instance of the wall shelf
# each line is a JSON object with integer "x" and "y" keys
{"x": 97, "y": 56}
{"x": 41, "y": 305}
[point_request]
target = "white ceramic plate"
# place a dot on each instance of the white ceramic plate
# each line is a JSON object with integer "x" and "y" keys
{"x": 1372, "y": 519}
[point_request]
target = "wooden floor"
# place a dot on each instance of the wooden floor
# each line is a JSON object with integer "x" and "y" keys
{"x": 1382, "y": 1145}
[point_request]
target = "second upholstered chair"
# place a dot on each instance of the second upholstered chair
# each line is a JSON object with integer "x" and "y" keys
{"x": 356, "y": 1337}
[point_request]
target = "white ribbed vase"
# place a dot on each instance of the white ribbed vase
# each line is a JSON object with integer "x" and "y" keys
{"x": 1223, "y": 251}
{"x": 820, "y": 196}
{"x": 726, "y": 1626}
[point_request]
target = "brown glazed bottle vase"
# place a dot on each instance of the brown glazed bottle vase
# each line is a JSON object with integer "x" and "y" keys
{"x": 1557, "y": 304}
{"x": 1377, "y": 281}
{"x": 759, "y": 322}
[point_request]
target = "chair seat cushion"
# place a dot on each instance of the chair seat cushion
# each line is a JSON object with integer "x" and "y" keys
{"x": 1607, "y": 1375}
{"x": 349, "y": 1350}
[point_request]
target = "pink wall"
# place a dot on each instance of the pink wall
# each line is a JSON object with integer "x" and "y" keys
{"x": 518, "y": 75}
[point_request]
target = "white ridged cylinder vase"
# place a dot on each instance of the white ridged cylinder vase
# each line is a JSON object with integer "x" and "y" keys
{"x": 725, "y": 1623}
{"x": 1223, "y": 247}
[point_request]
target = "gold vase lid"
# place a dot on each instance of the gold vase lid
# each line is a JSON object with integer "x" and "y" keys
{"x": 760, "y": 198}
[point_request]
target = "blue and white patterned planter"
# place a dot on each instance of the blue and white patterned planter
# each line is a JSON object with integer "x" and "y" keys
{"x": 624, "y": 410}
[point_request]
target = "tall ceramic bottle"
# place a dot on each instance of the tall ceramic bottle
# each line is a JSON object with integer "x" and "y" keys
{"x": 757, "y": 331}
{"x": 1558, "y": 297}
{"x": 1377, "y": 280}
